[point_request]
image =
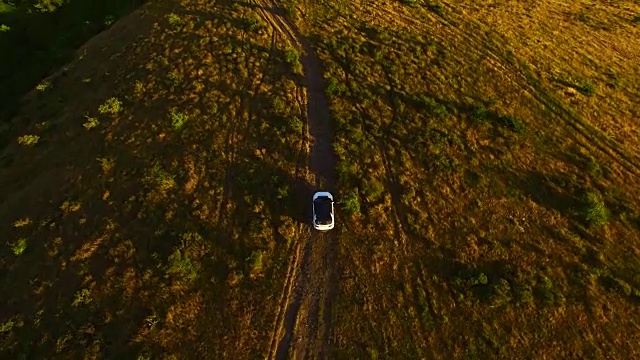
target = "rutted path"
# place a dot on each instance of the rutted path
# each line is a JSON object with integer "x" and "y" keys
{"x": 302, "y": 328}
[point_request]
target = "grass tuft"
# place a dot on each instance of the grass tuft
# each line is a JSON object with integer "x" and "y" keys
{"x": 512, "y": 123}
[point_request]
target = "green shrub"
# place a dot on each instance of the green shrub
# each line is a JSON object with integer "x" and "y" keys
{"x": 82, "y": 297}
{"x": 352, "y": 202}
{"x": 333, "y": 87}
{"x": 178, "y": 119}
{"x": 594, "y": 210}
{"x": 295, "y": 124}
{"x": 479, "y": 114}
{"x": 111, "y": 106}
{"x": 373, "y": 189}
{"x": 90, "y": 123}
{"x": 43, "y": 86}
{"x": 175, "y": 79}
{"x": 524, "y": 294}
{"x": 278, "y": 106}
{"x": 19, "y": 246}
{"x": 512, "y": 123}
{"x": 28, "y": 140}
{"x": 7, "y": 326}
{"x": 291, "y": 56}
{"x": 256, "y": 261}
{"x": 501, "y": 292}
{"x": 410, "y": 3}
{"x": 436, "y": 8}
{"x": 587, "y": 89}
{"x": 181, "y": 266}
{"x": 174, "y": 19}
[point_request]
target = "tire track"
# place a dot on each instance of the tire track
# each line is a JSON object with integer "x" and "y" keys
{"x": 304, "y": 330}
{"x": 287, "y": 300}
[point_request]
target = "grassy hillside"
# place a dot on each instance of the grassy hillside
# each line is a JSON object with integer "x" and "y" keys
{"x": 38, "y": 37}
{"x": 148, "y": 195}
{"x": 488, "y": 167}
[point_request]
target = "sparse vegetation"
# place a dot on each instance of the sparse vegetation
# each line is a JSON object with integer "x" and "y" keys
{"x": 481, "y": 206}
{"x": 142, "y": 222}
{"x": 475, "y": 180}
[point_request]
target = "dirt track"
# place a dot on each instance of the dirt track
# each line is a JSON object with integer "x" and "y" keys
{"x": 302, "y": 328}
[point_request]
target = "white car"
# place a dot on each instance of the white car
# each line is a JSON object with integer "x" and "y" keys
{"x": 323, "y": 211}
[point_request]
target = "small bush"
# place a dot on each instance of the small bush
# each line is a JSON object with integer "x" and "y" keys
{"x": 182, "y": 266}
{"x": 252, "y": 23}
{"x": 595, "y": 211}
{"x": 19, "y": 246}
{"x": 22, "y": 222}
{"x": 28, "y": 140}
{"x": 82, "y": 297}
{"x": 334, "y": 87}
{"x": 501, "y": 292}
{"x": 111, "y": 106}
{"x": 178, "y": 119}
{"x": 587, "y": 89}
{"x": 4, "y": 28}
{"x": 278, "y": 106}
{"x": 256, "y": 262}
{"x": 512, "y": 123}
{"x": 90, "y": 123}
{"x": 352, "y": 202}
{"x": 524, "y": 294}
{"x": 291, "y": 56}
{"x": 373, "y": 189}
{"x": 43, "y": 86}
{"x": 109, "y": 20}
{"x": 436, "y": 8}
{"x": 410, "y": 3}
{"x": 479, "y": 114}
{"x": 7, "y": 326}
{"x": 547, "y": 294}
{"x": 174, "y": 19}
{"x": 160, "y": 178}
{"x": 175, "y": 79}
{"x": 295, "y": 124}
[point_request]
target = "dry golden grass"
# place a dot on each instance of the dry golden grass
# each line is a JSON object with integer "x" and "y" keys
{"x": 498, "y": 200}
{"x": 156, "y": 213}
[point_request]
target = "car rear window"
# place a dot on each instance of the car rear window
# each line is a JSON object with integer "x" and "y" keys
{"x": 323, "y": 208}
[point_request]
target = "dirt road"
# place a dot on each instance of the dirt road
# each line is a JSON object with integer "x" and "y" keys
{"x": 302, "y": 328}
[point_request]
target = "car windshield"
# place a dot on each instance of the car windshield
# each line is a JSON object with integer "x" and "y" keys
{"x": 322, "y": 206}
